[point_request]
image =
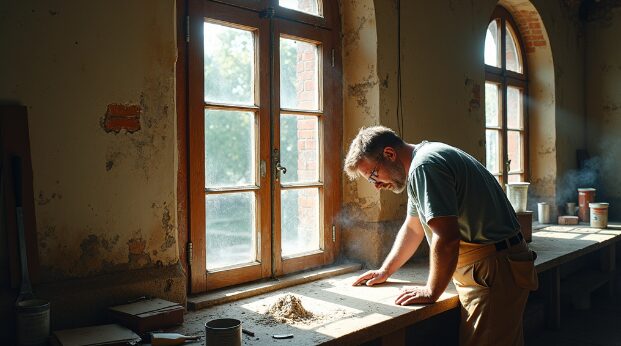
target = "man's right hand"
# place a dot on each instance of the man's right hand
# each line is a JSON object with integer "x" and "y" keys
{"x": 372, "y": 277}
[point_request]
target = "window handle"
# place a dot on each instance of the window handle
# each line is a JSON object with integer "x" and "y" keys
{"x": 277, "y": 167}
{"x": 281, "y": 168}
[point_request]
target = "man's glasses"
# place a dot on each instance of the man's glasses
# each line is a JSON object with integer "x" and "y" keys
{"x": 374, "y": 174}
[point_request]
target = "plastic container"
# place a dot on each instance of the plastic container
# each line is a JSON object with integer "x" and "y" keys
{"x": 223, "y": 332}
{"x": 517, "y": 193}
{"x": 599, "y": 215}
{"x": 585, "y": 196}
{"x": 543, "y": 212}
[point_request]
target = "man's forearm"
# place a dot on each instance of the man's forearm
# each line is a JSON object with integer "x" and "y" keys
{"x": 444, "y": 253}
{"x": 407, "y": 241}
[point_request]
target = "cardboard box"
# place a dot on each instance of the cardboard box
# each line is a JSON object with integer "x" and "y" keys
{"x": 108, "y": 334}
{"x": 525, "y": 218}
{"x": 148, "y": 315}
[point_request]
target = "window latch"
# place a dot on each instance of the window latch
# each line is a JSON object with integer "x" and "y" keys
{"x": 277, "y": 167}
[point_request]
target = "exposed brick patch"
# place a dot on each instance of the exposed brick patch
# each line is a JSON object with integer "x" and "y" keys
{"x": 122, "y": 117}
{"x": 530, "y": 28}
{"x": 136, "y": 246}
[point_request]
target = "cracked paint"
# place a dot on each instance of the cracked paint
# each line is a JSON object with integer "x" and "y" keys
{"x": 474, "y": 89}
{"x": 360, "y": 90}
{"x": 169, "y": 240}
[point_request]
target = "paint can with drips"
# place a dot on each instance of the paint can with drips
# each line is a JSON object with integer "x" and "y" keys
{"x": 223, "y": 332}
{"x": 599, "y": 215}
{"x": 585, "y": 196}
{"x": 33, "y": 322}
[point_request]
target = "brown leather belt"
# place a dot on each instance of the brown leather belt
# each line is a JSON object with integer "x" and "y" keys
{"x": 471, "y": 252}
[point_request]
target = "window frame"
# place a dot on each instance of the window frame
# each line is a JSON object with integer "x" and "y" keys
{"x": 506, "y": 78}
{"x": 268, "y": 207}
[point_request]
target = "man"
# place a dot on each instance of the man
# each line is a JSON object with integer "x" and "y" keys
{"x": 472, "y": 230}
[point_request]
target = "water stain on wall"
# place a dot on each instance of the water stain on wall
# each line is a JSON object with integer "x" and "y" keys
{"x": 352, "y": 36}
{"x": 44, "y": 199}
{"x": 91, "y": 252}
{"x": 137, "y": 257}
{"x": 48, "y": 235}
{"x": 169, "y": 239}
{"x": 360, "y": 90}
{"x": 474, "y": 89}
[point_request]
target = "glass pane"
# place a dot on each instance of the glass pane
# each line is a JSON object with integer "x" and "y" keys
{"x": 492, "y": 105}
{"x": 300, "y": 221}
{"x": 231, "y": 231}
{"x": 515, "y": 178}
{"x": 229, "y": 148}
{"x": 306, "y": 6}
{"x": 299, "y": 143}
{"x": 514, "y": 108}
{"x": 514, "y": 143}
{"x": 512, "y": 54}
{"x": 492, "y": 151}
{"x": 492, "y": 45}
{"x": 229, "y": 65}
{"x": 299, "y": 75}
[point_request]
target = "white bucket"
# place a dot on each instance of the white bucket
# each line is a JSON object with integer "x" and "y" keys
{"x": 33, "y": 322}
{"x": 517, "y": 193}
{"x": 599, "y": 215}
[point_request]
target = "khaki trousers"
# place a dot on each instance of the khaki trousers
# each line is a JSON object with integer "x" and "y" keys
{"x": 493, "y": 288}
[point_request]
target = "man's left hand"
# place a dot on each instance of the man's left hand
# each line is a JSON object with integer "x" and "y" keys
{"x": 414, "y": 295}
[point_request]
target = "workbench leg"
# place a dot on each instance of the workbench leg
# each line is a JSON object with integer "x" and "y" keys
{"x": 608, "y": 265}
{"x": 396, "y": 338}
{"x": 552, "y": 285}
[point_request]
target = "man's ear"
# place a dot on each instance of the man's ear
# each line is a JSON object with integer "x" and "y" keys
{"x": 390, "y": 153}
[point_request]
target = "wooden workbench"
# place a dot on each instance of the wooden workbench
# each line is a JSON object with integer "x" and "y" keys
{"x": 353, "y": 315}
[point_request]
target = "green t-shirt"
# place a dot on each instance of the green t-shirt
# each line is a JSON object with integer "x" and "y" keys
{"x": 446, "y": 181}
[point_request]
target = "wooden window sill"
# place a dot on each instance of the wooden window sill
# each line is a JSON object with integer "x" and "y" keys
{"x": 229, "y": 295}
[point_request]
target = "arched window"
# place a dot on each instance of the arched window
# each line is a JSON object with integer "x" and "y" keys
{"x": 264, "y": 138}
{"x": 506, "y": 130}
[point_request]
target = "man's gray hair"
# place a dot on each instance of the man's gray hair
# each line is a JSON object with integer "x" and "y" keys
{"x": 369, "y": 143}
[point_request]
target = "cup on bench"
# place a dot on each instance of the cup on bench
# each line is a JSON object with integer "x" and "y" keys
{"x": 543, "y": 212}
{"x": 571, "y": 208}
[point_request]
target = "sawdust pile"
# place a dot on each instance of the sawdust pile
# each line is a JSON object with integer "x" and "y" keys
{"x": 288, "y": 308}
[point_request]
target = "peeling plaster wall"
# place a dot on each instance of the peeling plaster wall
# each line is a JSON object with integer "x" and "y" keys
{"x": 604, "y": 106}
{"x": 360, "y": 214}
{"x": 443, "y": 81}
{"x": 105, "y": 200}
{"x": 441, "y": 76}
{"x": 360, "y": 89}
{"x": 557, "y": 138}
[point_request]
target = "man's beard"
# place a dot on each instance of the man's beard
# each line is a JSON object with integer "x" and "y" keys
{"x": 396, "y": 174}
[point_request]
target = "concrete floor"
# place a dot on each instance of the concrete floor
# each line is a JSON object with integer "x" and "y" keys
{"x": 599, "y": 325}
